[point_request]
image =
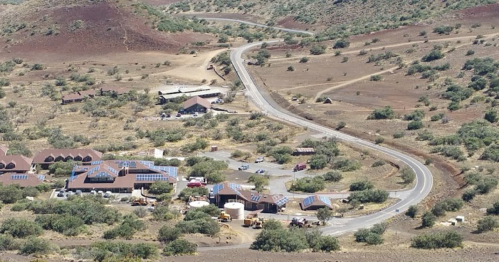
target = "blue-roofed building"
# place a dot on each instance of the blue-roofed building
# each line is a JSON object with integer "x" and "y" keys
{"x": 316, "y": 202}
{"x": 120, "y": 176}
{"x": 252, "y": 200}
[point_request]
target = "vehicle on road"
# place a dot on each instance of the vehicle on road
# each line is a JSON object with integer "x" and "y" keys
{"x": 299, "y": 222}
{"x": 260, "y": 171}
{"x": 61, "y": 193}
{"x": 259, "y": 159}
{"x": 244, "y": 167}
{"x": 195, "y": 183}
{"x": 299, "y": 167}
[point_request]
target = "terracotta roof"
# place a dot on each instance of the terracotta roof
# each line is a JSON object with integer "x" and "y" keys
{"x": 23, "y": 180}
{"x": 79, "y": 95}
{"x": 118, "y": 90}
{"x": 21, "y": 163}
{"x": 227, "y": 188}
{"x": 41, "y": 156}
{"x": 316, "y": 201}
{"x": 3, "y": 150}
{"x": 122, "y": 174}
{"x": 197, "y": 100}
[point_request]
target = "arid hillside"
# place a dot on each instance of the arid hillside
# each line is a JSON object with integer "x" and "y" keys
{"x": 83, "y": 28}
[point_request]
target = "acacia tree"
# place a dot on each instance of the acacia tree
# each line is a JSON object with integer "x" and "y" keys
{"x": 324, "y": 214}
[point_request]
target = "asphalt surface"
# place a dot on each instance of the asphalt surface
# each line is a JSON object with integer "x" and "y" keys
{"x": 261, "y": 98}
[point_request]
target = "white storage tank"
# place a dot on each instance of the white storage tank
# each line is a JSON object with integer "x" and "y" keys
{"x": 197, "y": 204}
{"x": 235, "y": 210}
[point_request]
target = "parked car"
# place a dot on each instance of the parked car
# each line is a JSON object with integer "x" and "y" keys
{"x": 70, "y": 193}
{"x": 260, "y": 171}
{"x": 259, "y": 159}
{"x": 168, "y": 115}
{"x": 100, "y": 193}
{"x": 79, "y": 193}
{"x": 108, "y": 194}
{"x": 178, "y": 115}
{"x": 93, "y": 192}
{"x": 299, "y": 167}
{"x": 195, "y": 115}
{"x": 61, "y": 193}
{"x": 244, "y": 167}
{"x": 195, "y": 183}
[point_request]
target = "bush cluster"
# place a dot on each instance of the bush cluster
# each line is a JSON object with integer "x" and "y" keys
{"x": 437, "y": 240}
{"x": 373, "y": 235}
{"x": 275, "y": 238}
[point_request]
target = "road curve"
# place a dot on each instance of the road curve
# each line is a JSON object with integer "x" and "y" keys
{"x": 261, "y": 98}
{"x": 295, "y": 31}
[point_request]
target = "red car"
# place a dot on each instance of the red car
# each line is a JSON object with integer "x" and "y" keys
{"x": 299, "y": 167}
{"x": 195, "y": 184}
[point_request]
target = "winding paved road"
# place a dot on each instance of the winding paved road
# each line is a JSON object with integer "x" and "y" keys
{"x": 262, "y": 99}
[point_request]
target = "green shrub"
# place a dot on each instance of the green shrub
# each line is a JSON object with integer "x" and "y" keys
{"x": 333, "y": 176}
{"x": 376, "y": 78}
{"x": 179, "y": 247}
{"x": 7, "y": 242}
{"x": 491, "y": 116}
{"x": 280, "y": 240}
{"x": 361, "y": 185}
{"x": 347, "y": 165}
{"x": 164, "y": 214}
{"x": 494, "y": 210}
{"x": 168, "y": 234}
{"x": 412, "y": 211}
{"x": 318, "y": 161}
{"x": 385, "y": 113}
{"x": 428, "y": 219}
{"x": 160, "y": 187}
{"x": 408, "y": 175}
{"x": 20, "y": 228}
{"x": 487, "y": 224}
{"x": 469, "y": 194}
{"x": 36, "y": 246}
{"x": 308, "y": 184}
{"x": 128, "y": 227}
{"x": 367, "y": 196}
{"x": 433, "y": 55}
{"x": 10, "y": 194}
{"x": 414, "y": 125}
{"x": 371, "y": 236}
{"x": 450, "y": 204}
{"x": 437, "y": 240}
{"x": 417, "y": 115}
{"x": 342, "y": 43}
{"x": 378, "y": 163}
{"x": 202, "y": 226}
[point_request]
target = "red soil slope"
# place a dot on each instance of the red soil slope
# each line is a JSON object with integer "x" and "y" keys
{"x": 106, "y": 29}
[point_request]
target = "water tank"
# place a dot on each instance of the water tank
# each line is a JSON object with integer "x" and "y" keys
{"x": 235, "y": 210}
{"x": 196, "y": 204}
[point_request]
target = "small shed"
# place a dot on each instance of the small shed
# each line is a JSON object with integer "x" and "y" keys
{"x": 304, "y": 151}
{"x": 316, "y": 202}
{"x": 214, "y": 148}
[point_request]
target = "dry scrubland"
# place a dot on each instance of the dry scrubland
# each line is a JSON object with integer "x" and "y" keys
{"x": 70, "y": 46}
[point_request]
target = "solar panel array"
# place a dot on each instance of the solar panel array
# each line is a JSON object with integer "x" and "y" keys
{"x": 18, "y": 177}
{"x": 217, "y": 188}
{"x": 235, "y": 187}
{"x": 112, "y": 170}
{"x": 170, "y": 170}
{"x": 151, "y": 177}
{"x": 41, "y": 177}
{"x": 282, "y": 201}
{"x": 255, "y": 198}
{"x": 94, "y": 163}
{"x": 308, "y": 201}
{"x": 131, "y": 164}
{"x": 102, "y": 174}
{"x": 91, "y": 171}
{"x": 325, "y": 200}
